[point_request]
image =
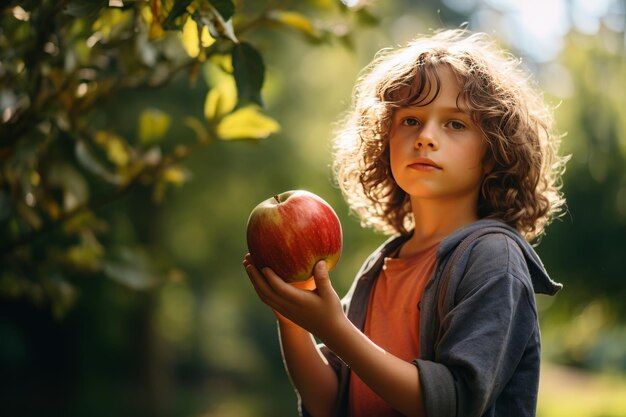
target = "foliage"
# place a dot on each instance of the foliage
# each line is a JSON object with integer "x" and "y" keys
{"x": 586, "y": 247}
{"x": 125, "y": 187}
{"x": 62, "y": 156}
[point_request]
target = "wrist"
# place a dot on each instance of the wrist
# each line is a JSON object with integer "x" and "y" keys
{"x": 289, "y": 329}
{"x": 285, "y": 324}
{"x": 336, "y": 331}
{"x": 283, "y": 321}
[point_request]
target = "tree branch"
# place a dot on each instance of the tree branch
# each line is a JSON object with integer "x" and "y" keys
{"x": 144, "y": 177}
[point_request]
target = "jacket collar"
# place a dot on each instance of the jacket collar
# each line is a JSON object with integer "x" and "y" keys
{"x": 542, "y": 283}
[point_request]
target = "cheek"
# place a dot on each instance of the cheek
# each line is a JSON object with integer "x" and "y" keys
{"x": 395, "y": 158}
{"x": 475, "y": 156}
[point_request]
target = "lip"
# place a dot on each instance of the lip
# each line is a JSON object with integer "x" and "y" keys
{"x": 424, "y": 164}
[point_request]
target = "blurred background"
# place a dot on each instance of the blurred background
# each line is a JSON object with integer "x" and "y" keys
{"x": 126, "y": 187}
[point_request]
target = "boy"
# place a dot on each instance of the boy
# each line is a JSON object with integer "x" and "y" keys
{"x": 449, "y": 148}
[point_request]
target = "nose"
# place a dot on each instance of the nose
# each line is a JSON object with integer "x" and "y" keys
{"x": 426, "y": 138}
{"x": 423, "y": 142}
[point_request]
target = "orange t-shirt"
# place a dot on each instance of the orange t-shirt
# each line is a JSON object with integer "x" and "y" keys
{"x": 392, "y": 322}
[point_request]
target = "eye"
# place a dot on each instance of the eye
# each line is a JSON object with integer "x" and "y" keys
{"x": 456, "y": 125}
{"x": 410, "y": 121}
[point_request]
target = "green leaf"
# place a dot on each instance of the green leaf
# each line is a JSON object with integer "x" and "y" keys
{"x": 88, "y": 160}
{"x": 247, "y": 123}
{"x": 176, "y": 175}
{"x": 296, "y": 21}
{"x": 116, "y": 147}
{"x": 86, "y": 256}
{"x": 226, "y": 8}
{"x": 218, "y": 69}
{"x": 215, "y": 22}
{"x": 72, "y": 183}
{"x": 153, "y": 125}
{"x": 172, "y": 21}
{"x": 202, "y": 134}
{"x": 85, "y": 8}
{"x": 221, "y": 99}
{"x": 193, "y": 40}
{"x": 249, "y": 71}
{"x": 82, "y": 221}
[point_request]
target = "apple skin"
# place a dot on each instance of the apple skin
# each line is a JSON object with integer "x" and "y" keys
{"x": 291, "y": 232}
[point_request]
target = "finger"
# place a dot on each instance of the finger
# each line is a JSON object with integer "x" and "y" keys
{"x": 271, "y": 292}
{"x": 290, "y": 296}
{"x": 255, "y": 277}
{"x": 322, "y": 279}
{"x": 247, "y": 260}
{"x": 274, "y": 280}
{"x": 261, "y": 286}
{"x": 277, "y": 283}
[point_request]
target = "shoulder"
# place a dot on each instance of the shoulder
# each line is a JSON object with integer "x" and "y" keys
{"x": 495, "y": 273}
{"x": 497, "y": 256}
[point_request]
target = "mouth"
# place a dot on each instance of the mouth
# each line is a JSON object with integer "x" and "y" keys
{"x": 424, "y": 164}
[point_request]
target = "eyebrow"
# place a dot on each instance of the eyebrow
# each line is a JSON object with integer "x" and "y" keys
{"x": 449, "y": 109}
{"x": 454, "y": 110}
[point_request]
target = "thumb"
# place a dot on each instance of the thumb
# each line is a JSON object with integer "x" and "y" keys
{"x": 322, "y": 279}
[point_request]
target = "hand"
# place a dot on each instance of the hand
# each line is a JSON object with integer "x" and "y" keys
{"x": 317, "y": 309}
{"x": 309, "y": 284}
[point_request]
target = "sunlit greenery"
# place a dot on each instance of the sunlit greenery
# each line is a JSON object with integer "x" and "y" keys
{"x": 133, "y": 147}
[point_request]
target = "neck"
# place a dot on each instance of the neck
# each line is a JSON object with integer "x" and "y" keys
{"x": 435, "y": 219}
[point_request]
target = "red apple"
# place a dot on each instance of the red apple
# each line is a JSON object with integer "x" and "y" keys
{"x": 291, "y": 232}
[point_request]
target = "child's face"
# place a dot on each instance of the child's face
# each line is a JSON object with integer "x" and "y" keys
{"x": 436, "y": 150}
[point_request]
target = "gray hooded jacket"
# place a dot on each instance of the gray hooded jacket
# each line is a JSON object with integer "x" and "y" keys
{"x": 479, "y": 341}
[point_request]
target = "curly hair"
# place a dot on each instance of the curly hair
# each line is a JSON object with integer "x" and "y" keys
{"x": 522, "y": 189}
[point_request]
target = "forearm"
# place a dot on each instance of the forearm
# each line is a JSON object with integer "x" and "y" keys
{"x": 392, "y": 378}
{"x": 320, "y": 312}
{"x": 312, "y": 376}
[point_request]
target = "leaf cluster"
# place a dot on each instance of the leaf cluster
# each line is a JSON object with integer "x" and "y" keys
{"x": 62, "y": 159}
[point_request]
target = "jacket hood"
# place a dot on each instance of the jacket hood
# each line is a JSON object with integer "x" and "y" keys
{"x": 542, "y": 283}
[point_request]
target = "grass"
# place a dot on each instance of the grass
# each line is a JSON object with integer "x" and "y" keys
{"x": 568, "y": 392}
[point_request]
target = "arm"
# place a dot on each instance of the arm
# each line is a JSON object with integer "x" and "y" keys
{"x": 393, "y": 379}
{"x": 312, "y": 376}
{"x": 321, "y": 314}
{"x": 310, "y": 372}
{"x": 489, "y": 334}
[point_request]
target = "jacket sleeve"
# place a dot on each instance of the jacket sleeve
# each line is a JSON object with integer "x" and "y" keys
{"x": 485, "y": 335}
